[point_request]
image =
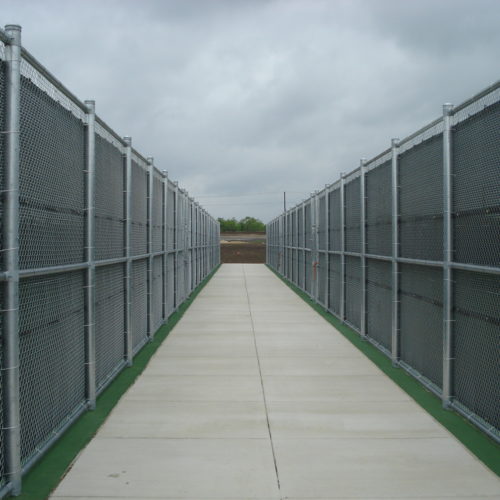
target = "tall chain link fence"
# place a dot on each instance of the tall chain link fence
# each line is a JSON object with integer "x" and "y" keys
{"x": 98, "y": 249}
{"x": 405, "y": 250}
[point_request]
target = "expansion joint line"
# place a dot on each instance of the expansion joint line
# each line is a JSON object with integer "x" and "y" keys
{"x": 261, "y": 381}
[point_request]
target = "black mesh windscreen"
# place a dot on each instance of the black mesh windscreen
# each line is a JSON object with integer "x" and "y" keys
{"x": 421, "y": 320}
{"x": 476, "y": 326}
{"x": 157, "y": 225}
{"x": 52, "y": 355}
{"x": 334, "y": 221}
{"x": 378, "y": 210}
{"x": 157, "y": 297}
{"x": 334, "y": 283}
{"x": 51, "y": 182}
{"x": 139, "y": 302}
{"x": 353, "y": 216}
{"x": 353, "y": 291}
{"x": 309, "y": 272}
{"x": 300, "y": 219}
{"x": 170, "y": 284}
{"x": 476, "y": 188}
{"x": 109, "y": 320}
{"x": 109, "y": 201}
{"x": 322, "y": 277}
{"x": 170, "y": 219}
{"x": 421, "y": 200}
{"x": 379, "y": 301}
{"x": 322, "y": 229}
{"x": 139, "y": 205}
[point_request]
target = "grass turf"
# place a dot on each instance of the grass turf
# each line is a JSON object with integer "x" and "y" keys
{"x": 476, "y": 441}
{"x": 46, "y": 474}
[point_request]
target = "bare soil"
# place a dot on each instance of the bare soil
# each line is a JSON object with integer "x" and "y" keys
{"x": 243, "y": 248}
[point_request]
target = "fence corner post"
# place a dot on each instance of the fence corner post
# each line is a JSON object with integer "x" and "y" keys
{"x": 362, "y": 224}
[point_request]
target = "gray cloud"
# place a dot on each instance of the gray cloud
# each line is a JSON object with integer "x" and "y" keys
{"x": 241, "y": 98}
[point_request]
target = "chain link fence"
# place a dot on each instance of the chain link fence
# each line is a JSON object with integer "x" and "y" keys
{"x": 405, "y": 250}
{"x": 109, "y": 247}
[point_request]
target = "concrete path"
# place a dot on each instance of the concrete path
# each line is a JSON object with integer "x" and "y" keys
{"x": 255, "y": 396}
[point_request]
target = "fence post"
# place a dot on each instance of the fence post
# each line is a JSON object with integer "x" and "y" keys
{"x": 395, "y": 340}
{"x": 342, "y": 248}
{"x": 165, "y": 245}
{"x": 327, "y": 246}
{"x": 149, "y": 292}
{"x": 362, "y": 168}
{"x": 448, "y": 355}
{"x": 10, "y": 368}
{"x": 128, "y": 251}
{"x": 176, "y": 245}
{"x": 90, "y": 363}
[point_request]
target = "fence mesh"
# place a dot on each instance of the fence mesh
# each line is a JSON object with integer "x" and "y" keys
{"x": 476, "y": 188}
{"x": 353, "y": 290}
{"x": 157, "y": 225}
{"x": 139, "y": 242}
{"x": 52, "y": 355}
{"x": 353, "y": 216}
{"x": 157, "y": 296}
{"x": 109, "y": 200}
{"x": 412, "y": 323}
{"x": 379, "y": 301}
{"x": 378, "y": 210}
{"x": 477, "y": 368}
{"x": 421, "y": 318}
{"x": 139, "y": 292}
{"x": 421, "y": 200}
{"x": 109, "y": 321}
{"x": 51, "y": 182}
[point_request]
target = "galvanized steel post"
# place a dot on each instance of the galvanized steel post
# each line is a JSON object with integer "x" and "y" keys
{"x": 176, "y": 245}
{"x": 90, "y": 362}
{"x": 395, "y": 340}
{"x": 448, "y": 355}
{"x": 10, "y": 368}
{"x": 128, "y": 251}
{"x": 362, "y": 168}
{"x": 327, "y": 247}
{"x": 165, "y": 245}
{"x": 342, "y": 248}
{"x": 149, "y": 292}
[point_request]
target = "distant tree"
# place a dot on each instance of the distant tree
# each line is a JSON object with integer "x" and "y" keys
{"x": 247, "y": 224}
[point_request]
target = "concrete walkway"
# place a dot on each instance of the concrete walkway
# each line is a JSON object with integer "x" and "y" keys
{"x": 255, "y": 396}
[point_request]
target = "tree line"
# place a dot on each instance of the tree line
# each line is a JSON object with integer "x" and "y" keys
{"x": 247, "y": 224}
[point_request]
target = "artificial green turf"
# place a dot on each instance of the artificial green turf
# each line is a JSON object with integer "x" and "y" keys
{"x": 475, "y": 440}
{"x": 47, "y": 473}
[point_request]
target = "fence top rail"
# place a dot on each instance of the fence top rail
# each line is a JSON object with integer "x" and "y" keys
{"x": 4, "y": 38}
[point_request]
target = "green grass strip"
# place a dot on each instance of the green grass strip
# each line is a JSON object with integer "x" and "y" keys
{"x": 487, "y": 450}
{"x": 47, "y": 473}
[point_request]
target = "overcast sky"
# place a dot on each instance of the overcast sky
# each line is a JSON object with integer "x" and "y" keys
{"x": 241, "y": 100}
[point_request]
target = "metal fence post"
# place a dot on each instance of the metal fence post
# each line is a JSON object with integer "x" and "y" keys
{"x": 176, "y": 245}
{"x": 90, "y": 361}
{"x": 395, "y": 333}
{"x": 149, "y": 292}
{"x": 128, "y": 251}
{"x": 362, "y": 167}
{"x": 327, "y": 247}
{"x": 448, "y": 355}
{"x": 165, "y": 245}
{"x": 342, "y": 248}
{"x": 10, "y": 368}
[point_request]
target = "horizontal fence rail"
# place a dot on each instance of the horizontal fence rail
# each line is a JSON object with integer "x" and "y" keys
{"x": 405, "y": 250}
{"x": 98, "y": 249}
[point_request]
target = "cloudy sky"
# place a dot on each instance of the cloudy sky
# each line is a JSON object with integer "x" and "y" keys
{"x": 241, "y": 100}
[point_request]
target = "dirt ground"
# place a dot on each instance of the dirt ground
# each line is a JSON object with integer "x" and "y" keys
{"x": 243, "y": 248}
